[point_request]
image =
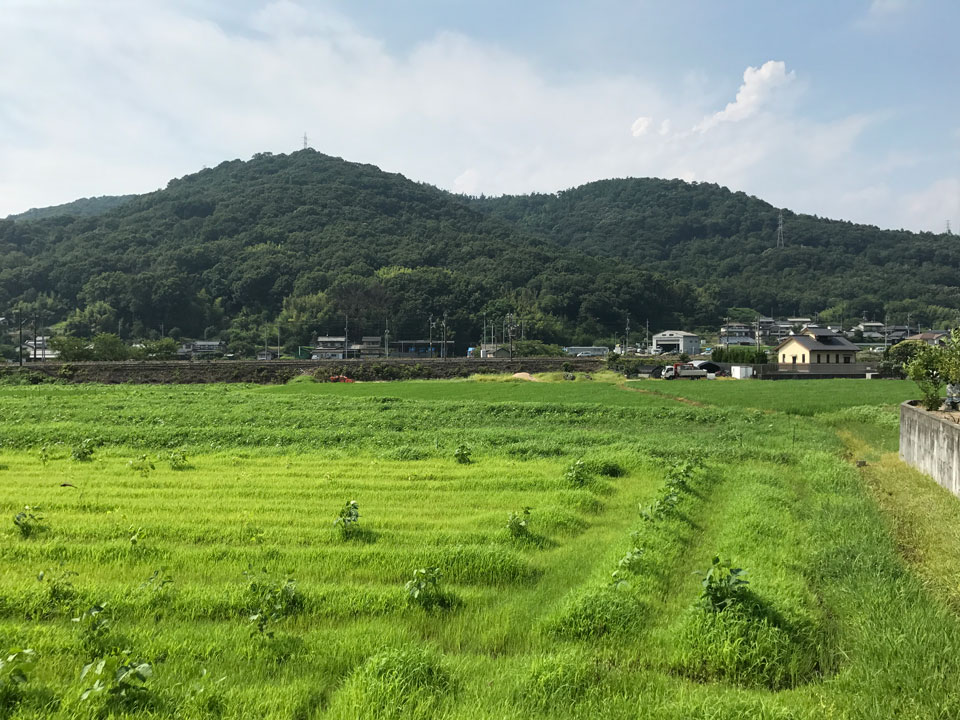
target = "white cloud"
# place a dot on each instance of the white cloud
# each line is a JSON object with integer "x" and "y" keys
{"x": 113, "y": 98}
{"x": 756, "y": 91}
{"x": 467, "y": 182}
{"x": 887, "y": 7}
{"x": 640, "y": 126}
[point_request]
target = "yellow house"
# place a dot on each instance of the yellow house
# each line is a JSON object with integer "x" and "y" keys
{"x": 816, "y": 346}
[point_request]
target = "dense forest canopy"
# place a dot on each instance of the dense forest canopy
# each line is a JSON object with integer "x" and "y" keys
{"x": 305, "y": 241}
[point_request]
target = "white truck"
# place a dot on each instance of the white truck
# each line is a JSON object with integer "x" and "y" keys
{"x": 683, "y": 370}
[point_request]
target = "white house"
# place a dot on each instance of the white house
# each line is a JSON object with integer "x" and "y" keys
{"x": 676, "y": 341}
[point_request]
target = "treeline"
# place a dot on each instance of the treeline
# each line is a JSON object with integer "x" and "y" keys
{"x": 304, "y": 243}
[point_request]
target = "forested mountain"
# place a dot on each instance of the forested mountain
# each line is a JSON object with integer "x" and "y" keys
{"x": 84, "y": 207}
{"x": 307, "y": 239}
{"x": 725, "y": 243}
{"x": 303, "y": 240}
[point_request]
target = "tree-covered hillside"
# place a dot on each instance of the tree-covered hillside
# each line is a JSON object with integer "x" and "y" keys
{"x": 305, "y": 240}
{"x": 84, "y": 207}
{"x": 309, "y": 242}
{"x": 725, "y": 242}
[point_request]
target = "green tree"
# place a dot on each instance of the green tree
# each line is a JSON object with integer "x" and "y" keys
{"x": 107, "y": 346}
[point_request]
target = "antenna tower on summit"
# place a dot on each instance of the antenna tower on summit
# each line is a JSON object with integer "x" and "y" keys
{"x": 780, "y": 230}
{"x": 949, "y": 232}
{"x": 305, "y": 145}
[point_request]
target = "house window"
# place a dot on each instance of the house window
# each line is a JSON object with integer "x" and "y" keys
{"x": 783, "y": 358}
{"x": 838, "y": 358}
{"x": 803, "y": 358}
{"x": 846, "y": 359}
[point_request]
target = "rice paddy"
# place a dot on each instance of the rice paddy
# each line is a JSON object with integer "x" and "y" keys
{"x": 519, "y": 550}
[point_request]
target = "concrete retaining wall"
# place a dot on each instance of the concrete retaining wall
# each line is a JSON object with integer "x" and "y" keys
{"x": 931, "y": 444}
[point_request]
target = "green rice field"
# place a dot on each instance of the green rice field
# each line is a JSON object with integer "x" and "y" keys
{"x": 521, "y": 550}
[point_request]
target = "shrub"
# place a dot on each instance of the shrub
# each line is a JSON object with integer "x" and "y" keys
{"x": 142, "y": 464}
{"x": 29, "y": 521}
{"x": 347, "y": 518}
{"x": 926, "y": 370}
{"x": 424, "y": 589}
{"x": 14, "y": 666}
{"x": 177, "y": 459}
{"x": 271, "y": 598}
{"x": 722, "y": 585}
{"x": 517, "y": 524}
{"x": 84, "y": 451}
{"x": 577, "y": 474}
{"x": 118, "y": 678}
{"x": 462, "y": 454}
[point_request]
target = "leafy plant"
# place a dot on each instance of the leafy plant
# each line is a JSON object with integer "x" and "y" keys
{"x": 177, "y": 459}
{"x": 517, "y": 524}
{"x": 424, "y": 589}
{"x": 157, "y": 581}
{"x": 29, "y": 521}
{"x": 136, "y": 535}
{"x": 926, "y": 370}
{"x": 271, "y": 598}
{"x": 117, "y": 677}
{"x": 14, "y": 666}
{"x": 347, "y": 518}
{"x": 722, "y": 585}
{"x": 58, "y": 594}
{"x": 662, "y": 507}
{"x": 141, "y": 464}
{"x": 94, "y": 627}
{"x": 577, "y": 474}
{"x": 462, "y": 454}
{"x": 84, "y": 451}
{"x": 629, "y": 565}
{"x": 44, "y": 455}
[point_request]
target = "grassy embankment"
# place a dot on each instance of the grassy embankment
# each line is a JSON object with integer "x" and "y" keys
{"x": 835, "y": 624}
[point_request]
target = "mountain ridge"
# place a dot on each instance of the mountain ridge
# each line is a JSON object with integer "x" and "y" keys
{"x": 305, "y": 238}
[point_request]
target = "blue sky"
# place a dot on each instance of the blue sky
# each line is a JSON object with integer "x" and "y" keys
{"x": 842, "y": 109}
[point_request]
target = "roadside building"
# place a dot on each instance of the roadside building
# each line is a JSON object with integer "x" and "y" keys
{"x": 266, "y": 355}
{"x": 733, "y": 334}
{"x": 421, "y": 349}
{"x": 932, "y": 337}
{"x": 676, "y": 341}
{"x": 870, "y": 331}
{"x": 815, "y": 346}
{"x": 330, "y": 347}
{"x": 201, "y": 348}
{"x": 371, "y": 347}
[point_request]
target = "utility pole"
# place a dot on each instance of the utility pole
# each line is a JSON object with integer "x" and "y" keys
{"x": 278, "y": 338}
{"x": 386, "y": 339}
{"x": 20, "y": 326}
{"x": 484, "y": 340}
{"x": 626, "y": 338}
{"x": 443, "y": 352}
{"x": 346, "y": 328}
{"x": 430, "y": 324}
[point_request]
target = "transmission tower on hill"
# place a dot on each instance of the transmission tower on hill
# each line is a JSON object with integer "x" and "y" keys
{"x": 780, "y": 230}
{"x": 305, "y": 144}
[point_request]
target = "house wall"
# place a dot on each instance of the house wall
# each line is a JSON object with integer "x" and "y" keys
{"x": 805, "y": 356}
{"x": 931, "y": 444}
